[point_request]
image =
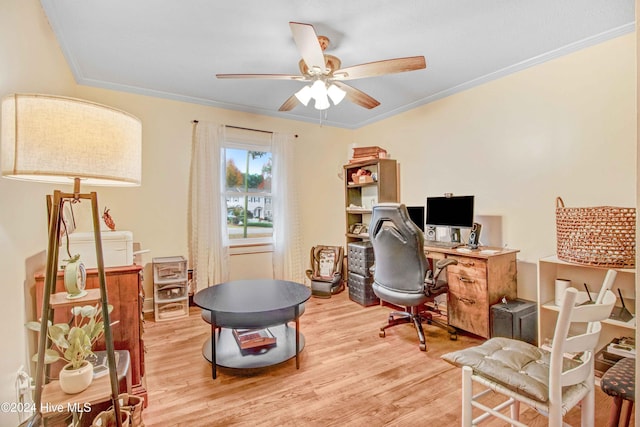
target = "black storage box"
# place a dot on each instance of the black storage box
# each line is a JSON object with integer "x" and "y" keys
{"x": 360, "y": 290}
{"x": 360, "y": 257}
{"x": 517, "y": 319}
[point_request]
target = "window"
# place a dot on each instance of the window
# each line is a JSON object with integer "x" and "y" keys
{"x": 247, "y": 187}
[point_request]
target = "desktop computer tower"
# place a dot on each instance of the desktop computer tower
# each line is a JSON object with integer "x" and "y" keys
{"x": 517, "y": 319}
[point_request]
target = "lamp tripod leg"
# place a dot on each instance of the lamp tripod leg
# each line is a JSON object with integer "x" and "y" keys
{"x": 105, "y": 309}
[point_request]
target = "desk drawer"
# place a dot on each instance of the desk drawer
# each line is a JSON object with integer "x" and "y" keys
{"x": 468, "y": 267}
{"x": 468, "y": 303}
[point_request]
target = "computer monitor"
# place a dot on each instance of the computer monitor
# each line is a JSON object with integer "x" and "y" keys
{"x": 416, "y": 214}
{"x": 450, "y": 211}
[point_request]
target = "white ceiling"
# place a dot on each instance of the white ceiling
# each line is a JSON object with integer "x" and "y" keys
{"x": 174, "y": 48}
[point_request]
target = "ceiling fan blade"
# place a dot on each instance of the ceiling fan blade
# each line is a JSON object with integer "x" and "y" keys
{"x": 289, "y": 104}
{"x": 380, "y": 68}
{"x": 357, "y": 96}
{"x": 262, "y": 76}
{"x": 307, "y": 42}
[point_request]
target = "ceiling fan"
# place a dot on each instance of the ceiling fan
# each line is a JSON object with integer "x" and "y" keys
{"x": 325, "y": 76}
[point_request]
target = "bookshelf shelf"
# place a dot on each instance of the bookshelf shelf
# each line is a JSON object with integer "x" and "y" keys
{"x": 550, "y": 268}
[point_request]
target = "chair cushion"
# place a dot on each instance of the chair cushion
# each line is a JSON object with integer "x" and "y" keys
{"x": 517, "y": 365}
{"x": 619, "y": 380}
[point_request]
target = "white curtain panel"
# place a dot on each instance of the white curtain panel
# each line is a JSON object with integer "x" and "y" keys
{"x": 287, "y": 256}
{"x": 208, "y": 245}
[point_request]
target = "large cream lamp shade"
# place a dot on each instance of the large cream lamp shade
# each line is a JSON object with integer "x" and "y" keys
{"x": 57, "y": 139}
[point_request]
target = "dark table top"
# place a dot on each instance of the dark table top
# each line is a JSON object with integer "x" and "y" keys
{"x": 253, "y": 303}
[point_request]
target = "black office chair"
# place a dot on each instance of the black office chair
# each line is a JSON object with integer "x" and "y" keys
{"x": 401, "y": 273}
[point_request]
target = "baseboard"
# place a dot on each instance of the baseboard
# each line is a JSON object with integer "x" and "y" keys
{"x": 147, "y": 306}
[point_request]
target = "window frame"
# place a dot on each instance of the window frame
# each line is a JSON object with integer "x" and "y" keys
{"x": 249, "y": 141}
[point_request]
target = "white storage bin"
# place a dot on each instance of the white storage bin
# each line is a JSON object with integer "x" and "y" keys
{"x": 171, "y": 310}
{"x": 117, "y": 248}
{"x": 169, "y": 269}
{"x": 171, "y": 293}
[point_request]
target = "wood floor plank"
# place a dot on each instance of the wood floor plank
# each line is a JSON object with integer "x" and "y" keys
{"x": 348, "y": 376}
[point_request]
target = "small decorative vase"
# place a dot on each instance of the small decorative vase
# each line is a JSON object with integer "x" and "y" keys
{"x": 74, "y": 381}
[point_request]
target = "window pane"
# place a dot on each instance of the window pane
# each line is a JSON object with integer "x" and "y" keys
{"x": 248, "y": 171}
{"x": 249, "y": 216}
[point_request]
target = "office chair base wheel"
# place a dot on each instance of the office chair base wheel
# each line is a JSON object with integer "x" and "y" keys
{"x": 453, "y": 337}
{"x": 382, "y": 334}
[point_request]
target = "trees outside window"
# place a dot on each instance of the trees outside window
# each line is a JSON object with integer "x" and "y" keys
{"x": 248, "y": 194}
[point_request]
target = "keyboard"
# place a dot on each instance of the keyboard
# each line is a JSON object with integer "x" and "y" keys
{"x": 439, "y": 244}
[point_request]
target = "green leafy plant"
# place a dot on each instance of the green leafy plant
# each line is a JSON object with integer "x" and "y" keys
{"x": 73, "y": 341}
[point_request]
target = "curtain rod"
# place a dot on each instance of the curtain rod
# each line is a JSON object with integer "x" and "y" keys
{"x": 241, "y": 128}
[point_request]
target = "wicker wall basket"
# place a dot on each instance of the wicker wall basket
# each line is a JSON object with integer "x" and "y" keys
{"x": 603, "y": 236}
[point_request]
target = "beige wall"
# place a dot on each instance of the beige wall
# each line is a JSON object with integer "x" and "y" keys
{"x": 566, "y": 127}
{"x": 156, "y": 212}
{"x": 29, "y": 61}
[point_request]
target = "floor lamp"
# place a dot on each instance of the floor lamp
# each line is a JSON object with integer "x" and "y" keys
{"x": 68, "y": 141}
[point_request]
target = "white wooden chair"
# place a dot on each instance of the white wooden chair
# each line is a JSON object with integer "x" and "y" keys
{"x": 552, "y": 382}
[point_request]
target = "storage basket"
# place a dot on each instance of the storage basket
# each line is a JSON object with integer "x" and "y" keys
{"x": 603, "y": 236}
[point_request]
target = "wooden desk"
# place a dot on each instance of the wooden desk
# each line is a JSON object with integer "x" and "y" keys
{"x": 481, "y": 278}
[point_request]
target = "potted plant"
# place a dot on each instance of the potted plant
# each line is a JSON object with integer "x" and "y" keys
{"x": 73, "y": 343}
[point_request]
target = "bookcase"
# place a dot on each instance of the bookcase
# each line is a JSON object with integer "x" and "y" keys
{"x": 367, "y": 183}
{"x": 381, "y": 185}
{"x": 551, "y": 268}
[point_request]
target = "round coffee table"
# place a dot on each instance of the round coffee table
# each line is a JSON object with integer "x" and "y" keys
{"x": 253, "y": 304}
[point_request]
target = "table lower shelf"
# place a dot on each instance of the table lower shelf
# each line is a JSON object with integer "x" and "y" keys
{"x": 229, "y": 355}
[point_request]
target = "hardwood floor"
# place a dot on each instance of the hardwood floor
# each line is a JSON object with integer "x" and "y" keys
{"x": 348, "y": 376}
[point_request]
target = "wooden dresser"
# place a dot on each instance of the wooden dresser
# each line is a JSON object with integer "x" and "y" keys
{"x": 125, "y": 293}
{"x": 481, "y": 279}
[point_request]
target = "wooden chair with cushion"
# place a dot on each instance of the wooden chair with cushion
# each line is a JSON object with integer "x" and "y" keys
{"x": 325, "y": 273}
{"x": 548, "y": 381}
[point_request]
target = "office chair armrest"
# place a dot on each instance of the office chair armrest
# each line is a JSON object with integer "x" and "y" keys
{"x": 444, "y": 263}
{"x": 433, "y": 285}
{"x": 441, "y": 265}
{"x": 436, "y": 288}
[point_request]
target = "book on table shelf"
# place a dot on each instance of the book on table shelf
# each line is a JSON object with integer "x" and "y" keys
{"x": 368, "y": 152}
{"x": 100, "y": 364}
{"x": 253, "y": 338}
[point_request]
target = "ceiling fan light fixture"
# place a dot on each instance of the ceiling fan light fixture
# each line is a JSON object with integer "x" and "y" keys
{"x": 304, "y": 95}
{"x": 322, "y": 102}
{"x": 336, "y": 94}
{"x": 319, "y": 90}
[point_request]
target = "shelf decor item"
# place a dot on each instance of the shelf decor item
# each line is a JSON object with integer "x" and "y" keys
{"x": 73, "y": 343}
{"x": 603, "y": 236}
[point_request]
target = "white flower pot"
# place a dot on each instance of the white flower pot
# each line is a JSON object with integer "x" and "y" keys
{"x": 74, "y": 381}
